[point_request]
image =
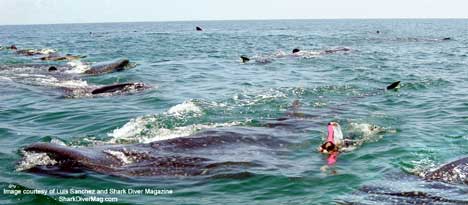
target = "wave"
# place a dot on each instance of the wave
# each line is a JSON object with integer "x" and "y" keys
{"x": 184, "y": 108}
{"x": 168, "y": 125}
{"x": 360, "y": 133}
{"x": 148, "y": 129}
{"x": 46, "y": 80}
{"x": 268, "y": 58}
{"x": 77, "y": 67}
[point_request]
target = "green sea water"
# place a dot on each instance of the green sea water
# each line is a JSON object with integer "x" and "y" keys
{"x": 199, "y": 83}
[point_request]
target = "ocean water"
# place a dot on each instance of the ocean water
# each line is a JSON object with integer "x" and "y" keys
{"x": 198, "y": 83}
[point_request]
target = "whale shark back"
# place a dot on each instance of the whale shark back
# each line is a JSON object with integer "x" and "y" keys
{"x": 453, "y": 172}
{"x": 208, "y": 152}
{"x": 108, "y": 67}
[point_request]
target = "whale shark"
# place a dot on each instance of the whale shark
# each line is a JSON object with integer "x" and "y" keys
{"x": 67, "y": 57}
{"x": 204, "y": 153}
{"x": 68, "y": 77}
{"x": 73, "y": 68}
{"x": 108, "y": 67}
{"x": 452, "y": 172}
{"x": 97, "y": 90}
{"x": 444, "y": 185}
{"x": 296, "y": 52}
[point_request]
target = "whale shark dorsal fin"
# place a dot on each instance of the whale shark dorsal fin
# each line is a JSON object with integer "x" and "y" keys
{"x": 296, "y": 104}
{"x": 293, "y": 111}
{"x": 52, "y": 69}
{"x": 244, "y": 59}
{"x": 111, "y": 88}
{"x": 394, "y": 86}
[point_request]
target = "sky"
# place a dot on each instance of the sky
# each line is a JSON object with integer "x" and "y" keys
{"x": 13, "y": 12}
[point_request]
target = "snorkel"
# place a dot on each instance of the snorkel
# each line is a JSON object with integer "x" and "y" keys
{"x": 331, "y": 132}
{"x": 335, "y": 134}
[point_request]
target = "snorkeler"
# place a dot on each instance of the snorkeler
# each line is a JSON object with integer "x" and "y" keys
{"x": 337, "y": 144}
{"x": 334, "y": 142}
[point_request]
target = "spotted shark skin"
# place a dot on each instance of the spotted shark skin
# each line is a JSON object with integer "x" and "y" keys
{"x": 198, "y": 154}
{"x": 453, "y": 172}
{"x": 444, "y": 185}
{"x": 108, "y": 67}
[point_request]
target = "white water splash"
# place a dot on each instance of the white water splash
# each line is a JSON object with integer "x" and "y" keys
{"x": 57, "y": 141}
{"x": 365, "y": 132}
{"x": 2, "y": 78}
{"x": 366, "y": 129}
{"x": 132, "y": 129}
{"x": 148, "y": 129}
{"x": 71, "y": 84}
{"x": 185, "y": 108}
{"x": 307, "y": 54}
{"x": 32, "y": 159}
{"x": 319, "y": 104}
{"x": 139, "y": 131}
{"x": 45, "y": 80}
{"x": 248, "y": 99}
{"x": 46, "y": 51}
{"x": 77, "y": 67}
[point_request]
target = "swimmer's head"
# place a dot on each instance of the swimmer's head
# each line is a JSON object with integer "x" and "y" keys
{"x": 295, "y": 50}
{"x": 327, "y": 147}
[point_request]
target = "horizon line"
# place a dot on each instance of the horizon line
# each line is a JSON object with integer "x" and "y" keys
{"x": 207, "y": 20}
